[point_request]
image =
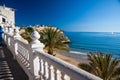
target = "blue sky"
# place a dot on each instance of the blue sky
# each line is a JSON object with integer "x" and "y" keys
{"x": 69, "y": 15}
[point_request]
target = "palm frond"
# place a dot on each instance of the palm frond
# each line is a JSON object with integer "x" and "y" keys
{"x": 104, "y": 66}
{"x": 54, "y": 38}
{"x": 86, "y": 67}
{"x": 116, "y": 72}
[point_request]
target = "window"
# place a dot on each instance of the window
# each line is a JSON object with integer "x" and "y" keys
{"x": 3, "y": 20}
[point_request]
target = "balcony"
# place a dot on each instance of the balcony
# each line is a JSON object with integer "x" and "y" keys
{"x": 37, "y": 64}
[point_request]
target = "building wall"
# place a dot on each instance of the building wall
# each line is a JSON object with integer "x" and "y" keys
{"x": 0, "y": 18}
{"x": 8, "y": 14}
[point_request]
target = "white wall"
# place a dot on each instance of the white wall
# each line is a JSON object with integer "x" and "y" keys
{"x": 8, "y": 14}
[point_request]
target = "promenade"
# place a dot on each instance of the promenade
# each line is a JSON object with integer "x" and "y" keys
{"x": 9, "y": 68}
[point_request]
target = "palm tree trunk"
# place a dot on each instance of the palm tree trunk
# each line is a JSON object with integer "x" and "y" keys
{"x": 50, "y": 51}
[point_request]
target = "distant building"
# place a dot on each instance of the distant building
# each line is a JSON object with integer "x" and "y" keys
{"x": 7, "y": 16}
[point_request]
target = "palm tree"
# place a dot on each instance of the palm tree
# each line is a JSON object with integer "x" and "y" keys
{"x": 26, "y": 34}
{"x": 103, "y": 66}
{"x": 53, "y": 38}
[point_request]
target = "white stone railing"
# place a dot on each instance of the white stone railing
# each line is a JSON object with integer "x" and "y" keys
{"x": 39, "y": 65}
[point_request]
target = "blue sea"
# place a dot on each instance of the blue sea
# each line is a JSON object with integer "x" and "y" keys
{"x": 86, "y": 42}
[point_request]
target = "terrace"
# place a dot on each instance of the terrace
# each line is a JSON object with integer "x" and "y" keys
{"x": 33, "y": 63}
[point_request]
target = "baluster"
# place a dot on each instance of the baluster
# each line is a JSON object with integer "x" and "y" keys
{"x": 8, "y": 41}
{"x": 5, "y": 37}
{"x": 24, "y": 53}
{"x": 45, "y": 70}
{"x": 51, "y": 73}
{"x": 15, "y": 49}
{"x": 41, "y": 68}
{"x": 31, "y": 63}
{"x": 65, "y": 76}
{"x": 27, "y": 55}
{"x": 57, "y": 74}
{"x": 11, "y": 42}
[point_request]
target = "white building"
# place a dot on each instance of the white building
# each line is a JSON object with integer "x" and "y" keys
{"x": 7, "y": 16}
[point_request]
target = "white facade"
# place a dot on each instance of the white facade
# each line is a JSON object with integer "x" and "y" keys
{"x": 7, "y": 16}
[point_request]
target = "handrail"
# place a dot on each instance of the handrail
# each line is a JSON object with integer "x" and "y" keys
{"x": 65, "y": 68}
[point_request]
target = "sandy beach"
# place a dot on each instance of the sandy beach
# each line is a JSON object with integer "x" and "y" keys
{"x": 68, "y": 59}
{"x": 72, "y": 58}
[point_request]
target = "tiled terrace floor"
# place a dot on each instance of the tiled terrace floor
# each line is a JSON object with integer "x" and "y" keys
{"x": 9, "y": 68}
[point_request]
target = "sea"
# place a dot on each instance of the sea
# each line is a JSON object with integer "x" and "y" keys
{"x": 85, "y": 42}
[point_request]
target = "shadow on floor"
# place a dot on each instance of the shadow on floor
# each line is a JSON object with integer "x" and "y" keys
{"x": 9, "y": 68}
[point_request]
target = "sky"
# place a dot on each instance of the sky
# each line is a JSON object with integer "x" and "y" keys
{"x": 68, "y": 15}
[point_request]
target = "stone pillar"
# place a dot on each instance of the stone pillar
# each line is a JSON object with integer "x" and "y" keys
{"x": 36, "y": 45}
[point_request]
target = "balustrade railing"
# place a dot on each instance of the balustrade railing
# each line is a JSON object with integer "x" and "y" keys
{"x": 39, "y": 65}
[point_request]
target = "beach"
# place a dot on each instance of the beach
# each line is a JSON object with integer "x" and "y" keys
{"x": 71, "y": 58}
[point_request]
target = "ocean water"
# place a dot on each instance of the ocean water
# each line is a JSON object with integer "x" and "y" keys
{"x": 86, "y": 42}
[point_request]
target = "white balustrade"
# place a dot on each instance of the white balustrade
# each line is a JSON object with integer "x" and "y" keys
{"x": 10, "y": 30}
{"x": 6, "y": 29}
{"x": 16, "y": 33}
{"x": 39, "y": 65}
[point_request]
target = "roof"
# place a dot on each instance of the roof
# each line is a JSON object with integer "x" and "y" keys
{"x": 12, "y": 9}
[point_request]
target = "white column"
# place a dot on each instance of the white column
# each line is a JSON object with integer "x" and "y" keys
{"x": 36, "y": 45}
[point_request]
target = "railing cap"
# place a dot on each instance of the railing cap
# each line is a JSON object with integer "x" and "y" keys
{"x": 35, "y": 43}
